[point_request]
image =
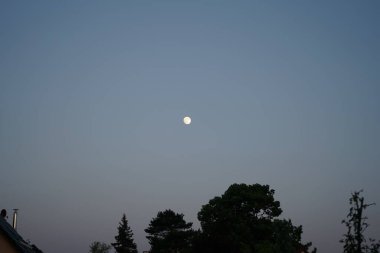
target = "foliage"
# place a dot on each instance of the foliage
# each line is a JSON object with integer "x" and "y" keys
{"x": 124, "y": 239}
{"x": 354, "y": 240}
{"x": 243, "y": 220}
{"x": 286, "y": 237}
{"x": 169, "y": 232}
{"x": 99, "y": 247}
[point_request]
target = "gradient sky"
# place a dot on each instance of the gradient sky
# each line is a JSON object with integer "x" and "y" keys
{"x": 92, "y": 96}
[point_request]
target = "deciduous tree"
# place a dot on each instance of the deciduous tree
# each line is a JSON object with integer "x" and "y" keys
{"x": 354, "y": 240}
{"x": 99, "y": 247}
{"x": 243, "y": 220}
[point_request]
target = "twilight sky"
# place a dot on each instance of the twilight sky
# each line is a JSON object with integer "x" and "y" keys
{"x": 92, "y": 96}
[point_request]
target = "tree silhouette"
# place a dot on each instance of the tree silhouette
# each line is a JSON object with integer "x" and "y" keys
{"x": 354, "y": 240}
{"x": 124, "y": 239}
{"x": 99, "y": 247}
{"x": 243, "y": 220}
{"x": 169, "y": 232}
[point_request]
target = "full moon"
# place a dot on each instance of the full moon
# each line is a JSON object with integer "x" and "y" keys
{"x": 187, "y": 120}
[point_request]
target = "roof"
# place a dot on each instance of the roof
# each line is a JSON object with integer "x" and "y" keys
{"x": 21, "y": 245}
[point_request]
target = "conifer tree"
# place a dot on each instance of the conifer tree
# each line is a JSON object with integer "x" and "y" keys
{"x": 169, "y": 233}
{"x": 124, "y": 239}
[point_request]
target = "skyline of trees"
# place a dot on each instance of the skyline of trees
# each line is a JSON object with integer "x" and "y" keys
{"x": 244, "y": 219}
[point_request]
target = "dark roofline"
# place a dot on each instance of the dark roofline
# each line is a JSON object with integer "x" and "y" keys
{"x": 21, "y": 245}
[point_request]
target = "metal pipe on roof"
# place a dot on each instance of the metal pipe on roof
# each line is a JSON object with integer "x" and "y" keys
{"x": 14, "y": 223}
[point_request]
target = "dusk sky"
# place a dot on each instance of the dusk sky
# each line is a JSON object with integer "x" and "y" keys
{"x": 93, "y": 93}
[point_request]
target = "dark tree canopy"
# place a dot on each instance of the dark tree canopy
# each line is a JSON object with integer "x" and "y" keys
{"x": 286, "y": 238}
{"x": 243, "y": 220}
{"x": 169, "y": 232}
{"x": 124, "y": 239}
{"x": 99, "y": 247}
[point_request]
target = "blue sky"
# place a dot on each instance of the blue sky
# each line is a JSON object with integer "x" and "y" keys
{"x": 92, "y": 96}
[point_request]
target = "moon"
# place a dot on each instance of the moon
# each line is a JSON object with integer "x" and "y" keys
{"x": 187, "y": 120}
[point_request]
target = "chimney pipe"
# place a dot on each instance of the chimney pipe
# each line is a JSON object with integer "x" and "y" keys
{"x": 14, "y": 224}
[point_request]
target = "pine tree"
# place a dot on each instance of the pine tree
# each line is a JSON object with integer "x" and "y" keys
{"x": 169, "y": 232}
{"x": 124, "y": 240}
